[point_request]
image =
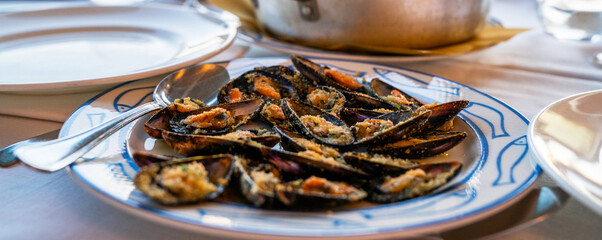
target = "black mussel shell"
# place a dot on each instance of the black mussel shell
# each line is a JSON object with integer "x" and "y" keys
{"x": 168, "y": 120}
{"x": 301, "y": 84}
{"x": 405, "y": 124}
{"x": 330, "y": 194}
{"x": 260, "y": 195}
{"x": 377, "y": 164}
{"x": 305, "y": 164}
{"x": 413, "y": 183}
{"x": 365, "y": 101}
{"x": 190, "y": 145}
{"x": 421, "y": 146}
{"x": 287, "y": 139}
{"x": 150, "y": 181}
{"x": 245, "y": 84}
{"x": 294, "y": 110}
{"x": 317, "y": 73}
{"x": 443, "y": 113}
{"x": 383, "y": 89}
{"x": 352, "y": 116}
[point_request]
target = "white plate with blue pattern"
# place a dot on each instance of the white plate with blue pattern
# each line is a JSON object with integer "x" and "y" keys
{"x": 496, "y": 171}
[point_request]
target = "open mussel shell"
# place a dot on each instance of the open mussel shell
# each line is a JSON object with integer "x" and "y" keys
{"x": 303, "y": 165}
{"x": 300, "y": 83}
{"x": 295, "y": 110}
{"x": 421, "y": 146}
{"x": 318, "y": 73}
{"x": 170, "y": 120}
{"x": 327, "y": 99}
{"x": 365, "y": 101}
{"x": 443, "y": 113}
{"x": 405, "y": 124}
{"x": 352, "y": 116}
{"x": 189, "y": 145}
{"x": 262, "y": 184}
{"x": 288, "y": 140}
{"x": 206, "y": 177}
{"x": 260, "y": 191}
{"x": 383, "y": 89}
{"x": 377, "y": 164}
{"x": 413, "y": 183}
{"x": 256, "y": 84}
{"x": 317, "y": 192}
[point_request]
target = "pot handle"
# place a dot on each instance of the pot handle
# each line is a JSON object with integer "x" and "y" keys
{"x": 308, "y": 9}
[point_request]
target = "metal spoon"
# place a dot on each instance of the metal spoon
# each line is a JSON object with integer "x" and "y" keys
{"x": 201, "y": 82}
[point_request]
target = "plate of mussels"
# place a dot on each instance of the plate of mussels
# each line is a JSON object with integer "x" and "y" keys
{"x": 297, "y": 148}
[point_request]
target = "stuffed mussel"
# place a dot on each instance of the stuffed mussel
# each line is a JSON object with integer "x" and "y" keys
{"x": 263, "y": 185}
{"x": 211, "y": 120}
{"x": 323, "y": 75}
{"x": 184, "y": 180}
{"x": 412, "y": 183}
{"x": 257, "y": 84}
{"x": 330, "y": 130}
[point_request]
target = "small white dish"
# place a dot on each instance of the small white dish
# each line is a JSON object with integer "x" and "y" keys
{"x": 83, "y": 46}
{"x": 496, "y": 171}
{"x": 566, "y": 138}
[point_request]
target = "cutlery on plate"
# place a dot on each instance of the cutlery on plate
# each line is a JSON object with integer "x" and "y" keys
{"x": 201, "y": 82}
{"x": 7, "y": 154}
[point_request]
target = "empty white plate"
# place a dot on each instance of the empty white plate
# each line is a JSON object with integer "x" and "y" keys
{"x": 80, "y": 46}
{"x": 566, "y": 138}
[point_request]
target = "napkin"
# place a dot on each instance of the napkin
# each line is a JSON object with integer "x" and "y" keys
{"x": 488, "y": 36}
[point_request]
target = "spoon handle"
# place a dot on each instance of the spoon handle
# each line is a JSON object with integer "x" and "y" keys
{"x": 57, "y": 154}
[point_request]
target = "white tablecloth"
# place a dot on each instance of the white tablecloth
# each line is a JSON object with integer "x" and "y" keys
{"x": 528, "y": 72}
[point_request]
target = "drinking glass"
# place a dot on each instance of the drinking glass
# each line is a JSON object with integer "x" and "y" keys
{"x": 579, "y": 20}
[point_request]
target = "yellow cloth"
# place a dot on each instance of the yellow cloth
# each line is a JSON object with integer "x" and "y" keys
{"x": 489, "y": 36}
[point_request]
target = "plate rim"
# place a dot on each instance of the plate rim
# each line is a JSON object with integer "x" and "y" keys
{"x": 491, "y": 208}
{"x": 550, "y": 168}
{"x": 161, "y": 68}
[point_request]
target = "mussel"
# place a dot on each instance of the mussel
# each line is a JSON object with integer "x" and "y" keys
{"x": 327, "y": 99}
{"x": 211, "y": 120}
{"x": 421, "y": 146}
{"x": 300, "y": 83}
{"x": 413, "y": 183}
{"x": 245, "y": 141}
{"x": 256, "y": 84}
{"x": 365, "y": 101}
{"x": 442, "y": 114}
{"x": 352, "y": 116}
{"x": 330, "y": 130}
{"x": 318, "y": 192}
{"x": 394, "y": 96}
{"x": 185, "y": 180}
{"x": 377, "y": 164}
{"x": 258, "y": 182}
{"x": 315, "y": 123}
{"x": 264, "y": 186}
{"x": 295, "y": 142}
{"x": 323, "y": 75}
